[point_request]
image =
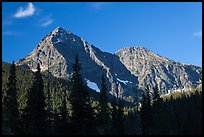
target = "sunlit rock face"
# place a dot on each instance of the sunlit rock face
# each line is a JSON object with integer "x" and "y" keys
{"x": 154, "y": 70}
{"x": 127, "y": 71}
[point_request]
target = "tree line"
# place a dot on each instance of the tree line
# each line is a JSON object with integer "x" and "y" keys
{"x": 70, "y": 109}
{"x": 35, "y": 117}
{"x": 175, "y": 114}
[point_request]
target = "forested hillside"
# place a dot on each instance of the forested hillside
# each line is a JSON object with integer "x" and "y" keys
{"x": 72, "y": 108}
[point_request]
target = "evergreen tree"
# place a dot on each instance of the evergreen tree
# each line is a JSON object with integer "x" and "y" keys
{"x": 103, "y": 112}
{"x": 156, "y": 125}
{"x": 61, "y": 123}
{"x": 61, "y": 119}
{"x": 117, "y": 126}
{"x": 146, "y": 112}
{"x": 143, "y": 113}
{"x": 56, "y": 124}
{"x": 64, "y": 114}
{"x": 10, "y": 108}
{"x": 91, "y": 119}
{"x": 82, "y": 112}
{"x": 121, "y": 128}
{"x": 35, "y": 113}
{"x": 114, "y": 117}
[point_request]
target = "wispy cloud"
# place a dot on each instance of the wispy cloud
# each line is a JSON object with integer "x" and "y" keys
{"x": 25, "y": 11}
{"x": 198, "y": 34}
{"x": 46, "y": 21}
{"x": 98, "y": 5}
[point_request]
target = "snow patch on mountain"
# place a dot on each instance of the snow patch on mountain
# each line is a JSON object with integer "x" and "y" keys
{"x": 130, "y": 68}
{"x": 123, "y": 81}
{"x": 92, "y": 85}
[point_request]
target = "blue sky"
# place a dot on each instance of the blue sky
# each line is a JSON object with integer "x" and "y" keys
{"x": 173, "y": 30}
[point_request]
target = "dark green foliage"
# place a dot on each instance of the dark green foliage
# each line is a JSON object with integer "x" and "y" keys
{"x": 114, "y": 117}
{"x": 120, "y": 120}
{"x": 35, "y": 114}
{"x": 59, "y": 107}
{"x": 132, "y": 122}
{"x": 179, "y": 113}
{"x": 57, "y": 124}
{"x": 82, "y": 112}
{"x": 156, "y": 112}
{"x": 64, "y": 115}
{"x": 25, "y": 81}
{"x": 23, "y": 84}
{"x": 103, "y": 110}
{"x": 117, "y": 126}
{"x": 146, "y": 112}
{"x": 10, "y": 106}
{"x": 61, "y": 123}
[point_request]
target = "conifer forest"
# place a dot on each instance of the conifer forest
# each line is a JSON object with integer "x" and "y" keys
{"x": 37, "y": 103}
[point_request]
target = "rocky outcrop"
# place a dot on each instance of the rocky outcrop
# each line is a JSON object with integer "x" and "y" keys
{"x": 61, "y": 47}
{"x": 126, "y": 71}
{"x": 154, "y": 70}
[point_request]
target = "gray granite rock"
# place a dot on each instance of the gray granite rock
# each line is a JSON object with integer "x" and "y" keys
{"x": 154, "y": 70}
{"x": 128, "y": 70}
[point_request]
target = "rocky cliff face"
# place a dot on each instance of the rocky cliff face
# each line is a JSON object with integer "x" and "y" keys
{"x": 126, "y": 71}
{"x": 61, "y": 47}
{"x": 154, "y": 70}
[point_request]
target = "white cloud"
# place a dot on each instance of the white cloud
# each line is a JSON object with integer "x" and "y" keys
{"x": 47, "y": 22}
{"x": 198, "y": 34}
{"x": 25, "y": 12}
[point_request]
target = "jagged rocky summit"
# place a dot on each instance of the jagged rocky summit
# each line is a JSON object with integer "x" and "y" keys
{"x": 127, "y": 71}
{"x": 155, "y": 70}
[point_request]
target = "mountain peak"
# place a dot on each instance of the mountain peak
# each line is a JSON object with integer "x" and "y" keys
{"x": 132, "y": 48}
{"x": 132, "y": 66}
{"x": 60, "y": 34}
{"x": 61, "y": 31}
{"x": 137, "y": 48}
{"x": 58, "y": 30}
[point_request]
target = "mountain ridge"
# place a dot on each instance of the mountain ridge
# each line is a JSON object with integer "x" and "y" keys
{"x": 141, "y": 60}
{"x": 121, "y": 75}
